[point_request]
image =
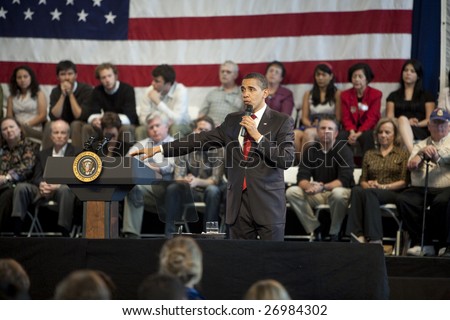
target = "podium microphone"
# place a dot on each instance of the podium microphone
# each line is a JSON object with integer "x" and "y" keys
{"x": 248, "y": 112}
{"x": 103, "y": 142}
{"x": 88, "y": 144}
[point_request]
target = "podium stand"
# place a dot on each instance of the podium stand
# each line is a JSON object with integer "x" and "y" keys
{"x": 100, "y": 197}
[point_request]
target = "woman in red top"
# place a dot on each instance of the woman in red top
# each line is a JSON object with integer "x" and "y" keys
{"x": 360, "y": 107}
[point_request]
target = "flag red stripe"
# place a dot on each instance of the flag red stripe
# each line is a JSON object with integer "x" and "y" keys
{"x": 207, "y": 75}
{"x": 275, "y": 25}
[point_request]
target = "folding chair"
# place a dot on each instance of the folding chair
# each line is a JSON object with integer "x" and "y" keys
{"x": 390, "y": 210}
{"x": 36, "y": 226}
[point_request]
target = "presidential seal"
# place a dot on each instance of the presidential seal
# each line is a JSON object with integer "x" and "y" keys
{"x": 87, "y": 166}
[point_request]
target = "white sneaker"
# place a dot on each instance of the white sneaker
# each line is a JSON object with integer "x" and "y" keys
{"x": 416, "y": 251}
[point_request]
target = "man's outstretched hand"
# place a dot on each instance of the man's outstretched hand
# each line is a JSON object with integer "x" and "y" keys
{"x": 146, "y": 152}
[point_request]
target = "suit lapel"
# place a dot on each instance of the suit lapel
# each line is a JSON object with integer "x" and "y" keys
{"x": 264, "y": 124}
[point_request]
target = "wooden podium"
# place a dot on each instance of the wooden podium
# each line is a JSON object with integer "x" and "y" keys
{"x": 100, "y": 197}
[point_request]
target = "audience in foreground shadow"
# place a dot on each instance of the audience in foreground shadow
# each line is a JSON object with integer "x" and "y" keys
{"x": 182, "y": 257}
{"x": 267, "y": 289}
{"x": 14, "y": 281}
{"x": 161, "y": 287}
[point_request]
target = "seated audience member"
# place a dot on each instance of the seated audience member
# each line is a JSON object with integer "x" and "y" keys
{"x": 267, "y": 290}
{"x": 115, "y": 96}
{"x": 201, "y": 175}
{"x": 17, "y": 159}
{"x": 83, "y": 285}
{"x": 280, "y": 98}
{"x": 444, "y": 96}
{"x": 14, "y": 280}
{"x": 28, "y": 193}
{"x": 411, "y": 105}
{"x": 225, "y": 99}
{"x": 27, "y": 102}
{"x": 434, "y": 151}
{"x": 166, "y": 96}
{"x": 111, "y": 127}
{"x": 323, "y": 98}
{"x": 69, "y": 101}
{"x": 325, "y": 176}
{"x": 384, "y": 175}
{"x": 360, "y": 107}
{"x": 150, "y": 195}
{"x": 181, "y": 257}
{"x": 161, "y": 287}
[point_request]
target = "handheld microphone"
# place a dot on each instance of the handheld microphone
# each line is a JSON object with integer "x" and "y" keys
{"x": 248, "y": 112}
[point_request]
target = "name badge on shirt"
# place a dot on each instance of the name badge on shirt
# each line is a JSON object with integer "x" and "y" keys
{"x": 363, "y": 107}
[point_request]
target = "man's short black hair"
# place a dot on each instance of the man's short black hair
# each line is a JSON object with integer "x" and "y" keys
{"x": 166, "y": 72}
{"x": 65, "y": 65}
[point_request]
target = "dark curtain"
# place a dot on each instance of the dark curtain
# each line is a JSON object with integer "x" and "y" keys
{"x": 426, "y": 35}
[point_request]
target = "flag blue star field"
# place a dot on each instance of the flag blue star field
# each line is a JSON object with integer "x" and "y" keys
{"x": 196, "y": 36}
{"x": 61, "y": 19}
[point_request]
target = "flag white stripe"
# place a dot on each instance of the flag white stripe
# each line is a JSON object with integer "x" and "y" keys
{"x": 206, "y": 8}
{"x": 317, "y": 48}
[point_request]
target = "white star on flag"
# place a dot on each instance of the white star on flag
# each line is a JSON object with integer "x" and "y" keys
{"x": 28, "y": 14}
{"x": 69, "y": 2}
{"x": 97, "y": 3}
{"x": 56, "y": 14}
{"x": 82, "y": 15}
{"x": 16, "y": 1}
{"x": 42, "y": 2}
{"x": 110, "y": 18}
{"x": 3, "y": 13}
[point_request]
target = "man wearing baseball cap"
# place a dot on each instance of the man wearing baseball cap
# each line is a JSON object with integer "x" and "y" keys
{"x": 434, "y": 153}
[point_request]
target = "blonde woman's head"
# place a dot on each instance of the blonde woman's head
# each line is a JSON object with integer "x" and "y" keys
{"x": 267, "y": 290}
{"x": 182, "y": 257}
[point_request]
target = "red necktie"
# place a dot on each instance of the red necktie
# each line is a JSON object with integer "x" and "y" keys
{"x": 247, "y": 145}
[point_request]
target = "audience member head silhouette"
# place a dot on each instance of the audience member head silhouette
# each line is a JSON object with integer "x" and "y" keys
{"x": 182, "y": 257}
{"x": 161, "y": 287}
{"x": 83, "y": 285}
{"x": 14, "y": 281}
{"x": 267, "y": 290}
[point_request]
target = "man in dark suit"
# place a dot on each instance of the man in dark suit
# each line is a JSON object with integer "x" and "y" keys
{"x": 256, "y": 203}
{"x": 27, "y": 193}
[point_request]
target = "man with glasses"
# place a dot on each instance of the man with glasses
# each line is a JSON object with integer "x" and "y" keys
{"x": 224, "y": 99}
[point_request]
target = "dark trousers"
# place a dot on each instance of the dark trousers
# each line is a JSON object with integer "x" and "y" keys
{"x": 364, "y": 214}
{"x": 245, "y": 226}
{"x": 365, "y": 139}
{"x": 180, "y": 194}
{"x": 6, "y": 196}
{"x": 410, "y": 207}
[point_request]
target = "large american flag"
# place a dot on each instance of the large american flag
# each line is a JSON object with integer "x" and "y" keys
{"x": 195, "y": 36}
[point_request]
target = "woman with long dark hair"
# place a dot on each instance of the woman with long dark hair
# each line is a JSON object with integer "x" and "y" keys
{"x": 411, "y": 104}
{"x": 27, "y": 103}
{"x": 323, "y": 98}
